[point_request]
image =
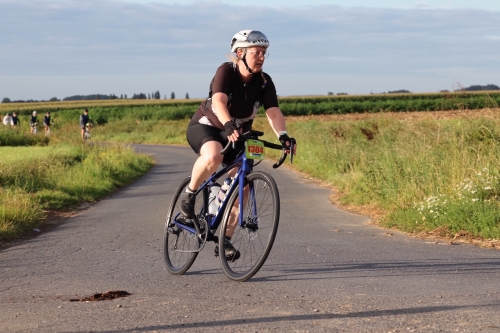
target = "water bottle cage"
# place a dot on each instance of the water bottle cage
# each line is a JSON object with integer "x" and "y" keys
{"x": 223, "y": 190}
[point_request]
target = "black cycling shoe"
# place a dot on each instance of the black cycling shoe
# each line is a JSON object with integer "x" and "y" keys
{"x": 187, "y": 204}
{"x": 187, "y": 222}
{"x": 231, "y": 253}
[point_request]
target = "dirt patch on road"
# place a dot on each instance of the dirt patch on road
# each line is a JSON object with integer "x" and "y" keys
{"x": 107, "y": 296}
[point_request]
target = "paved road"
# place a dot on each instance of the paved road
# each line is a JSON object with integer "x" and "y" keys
{"x": 329, "y": 271}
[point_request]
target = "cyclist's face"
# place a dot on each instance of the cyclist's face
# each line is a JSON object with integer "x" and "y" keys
{"x": 255, "y": 58}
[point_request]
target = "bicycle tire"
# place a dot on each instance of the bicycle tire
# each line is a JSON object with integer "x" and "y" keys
{"x": 176, "y": 240}
{"x": 253, "y": 240}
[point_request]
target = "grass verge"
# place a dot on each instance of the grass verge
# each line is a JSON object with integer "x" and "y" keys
{"x": 36, "y": 179}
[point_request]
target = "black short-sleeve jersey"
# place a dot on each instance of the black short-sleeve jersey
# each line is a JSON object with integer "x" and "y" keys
{"x": 244, "y": 99}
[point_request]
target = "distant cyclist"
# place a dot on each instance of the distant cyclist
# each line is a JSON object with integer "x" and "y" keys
{"x": 46, "y": 122}
{"x": 15, "y": 120}
{"x": 84, "y": 120}
{"x": 7, "y": 120}
{"x": 33, "y": 122}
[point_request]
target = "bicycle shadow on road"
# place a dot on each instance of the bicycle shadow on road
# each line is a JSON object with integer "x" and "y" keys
{"x": 308, "y": 271}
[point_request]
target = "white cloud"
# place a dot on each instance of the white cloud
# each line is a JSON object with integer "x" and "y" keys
{"x": 492, "y": 37}
{"x": 318, "y": 46}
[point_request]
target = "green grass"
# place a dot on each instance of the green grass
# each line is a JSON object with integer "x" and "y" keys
{"x": 144, "y": 131}
{"x": 18, "y": 137}
{"x": 25, "y": 154}
{"x": 396, "y": 166}
{"x": 421, "y": 174}
{"x": 36, "y": 179}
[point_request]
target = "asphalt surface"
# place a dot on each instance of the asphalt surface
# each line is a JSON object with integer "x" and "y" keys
{"x": 329, "y": 271}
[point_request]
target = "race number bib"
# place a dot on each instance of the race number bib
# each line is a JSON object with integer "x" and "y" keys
{"x": 254, "y": 149}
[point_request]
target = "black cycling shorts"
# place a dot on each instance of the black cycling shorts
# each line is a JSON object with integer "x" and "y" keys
{"x": 198, "y": 134}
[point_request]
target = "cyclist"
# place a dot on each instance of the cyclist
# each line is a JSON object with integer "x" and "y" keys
{"x": 33, "y": 122}
{"x": 15, "y": 120}
{"x": 46, "y": 122}
{"x": 7, "y": 120}
{"x": 237, "y": 90}
{"x": 84, "y": 120}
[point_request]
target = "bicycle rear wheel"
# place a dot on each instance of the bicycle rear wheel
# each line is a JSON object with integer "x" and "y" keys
{"x": 254, "y": 239}
{"x": 177, "y": 242}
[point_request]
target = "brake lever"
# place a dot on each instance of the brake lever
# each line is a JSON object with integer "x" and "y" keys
{"x": 292, "y": 148}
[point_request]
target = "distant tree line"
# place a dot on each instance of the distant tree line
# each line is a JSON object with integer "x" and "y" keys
{"x": 488, "y": 87}
{"x": 481, "y": 88}
{"x": 401, "y": 91}
{"x": 7, "y": 100}
{"x": 153, "y": 95}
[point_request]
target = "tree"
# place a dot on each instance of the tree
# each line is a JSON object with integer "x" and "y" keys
{"x": 140, "y": 96}
{"x": 53, "y": 99}
{"x": 187, "y": 96}
{"x": 6, "y": 100}
{"x": 172, "y": 95}
{"x": 479, "y": 87}
{"x": 401, "y": 91}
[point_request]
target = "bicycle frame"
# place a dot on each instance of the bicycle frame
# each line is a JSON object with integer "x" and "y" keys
{"x": 213, "y": 222}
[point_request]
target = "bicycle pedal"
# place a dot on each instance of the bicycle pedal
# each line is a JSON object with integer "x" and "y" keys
{"x": 184, "y": 221}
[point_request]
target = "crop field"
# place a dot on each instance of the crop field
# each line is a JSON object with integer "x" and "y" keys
{"x": 299, "y": 105}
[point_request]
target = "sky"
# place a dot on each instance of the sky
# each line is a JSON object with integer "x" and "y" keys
{"x": 61, "y": 48}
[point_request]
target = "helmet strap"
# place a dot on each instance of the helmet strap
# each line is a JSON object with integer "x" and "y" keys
{"x": 244, "y": 58}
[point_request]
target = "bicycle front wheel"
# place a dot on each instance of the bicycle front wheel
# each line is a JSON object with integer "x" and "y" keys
{"x": 253, "y": 239}
{"x": 177, "y": 242}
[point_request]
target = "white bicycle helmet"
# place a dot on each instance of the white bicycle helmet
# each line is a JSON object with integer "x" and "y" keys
{"x": 34, "y": 113}
{"x": 248, "y": 38}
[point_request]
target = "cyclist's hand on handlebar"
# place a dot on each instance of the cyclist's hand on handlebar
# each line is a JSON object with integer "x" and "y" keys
{"x": 232, "y": 131}
{"x": 286, "y": 141}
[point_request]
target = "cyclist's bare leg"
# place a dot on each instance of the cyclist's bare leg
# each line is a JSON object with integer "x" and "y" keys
{"x": 206, "y": 164}
{"x": 235, "y": 210}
